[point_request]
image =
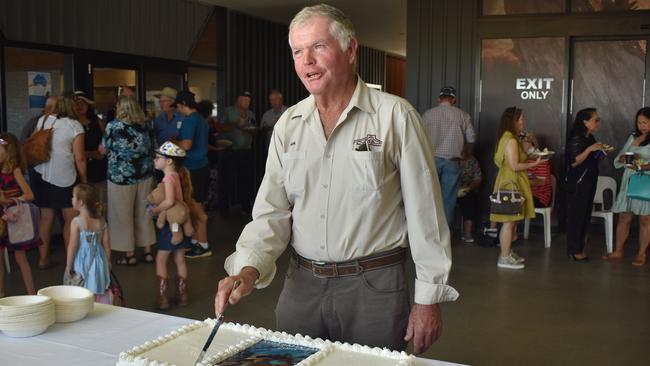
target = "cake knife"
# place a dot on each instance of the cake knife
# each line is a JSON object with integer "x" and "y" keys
{"x": 216, "y": 327}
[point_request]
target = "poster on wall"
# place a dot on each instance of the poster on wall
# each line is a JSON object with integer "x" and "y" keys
{"x": 39, "y": 85}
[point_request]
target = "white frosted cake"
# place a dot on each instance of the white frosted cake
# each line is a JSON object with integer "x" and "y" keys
{"x": 237, "y": 344}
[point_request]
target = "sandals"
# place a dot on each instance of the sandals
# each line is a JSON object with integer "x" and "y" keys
{"x": 127, "y": 260}
{"x": 639, "y": 261}
{"x": 148, "y": 258}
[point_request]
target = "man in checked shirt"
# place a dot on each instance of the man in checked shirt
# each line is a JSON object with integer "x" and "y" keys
{"x": 350, "y": 183}
{"x": 450, "y": 129}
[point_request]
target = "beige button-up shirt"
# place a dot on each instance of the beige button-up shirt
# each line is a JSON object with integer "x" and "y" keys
{"x": 334, "y": 203}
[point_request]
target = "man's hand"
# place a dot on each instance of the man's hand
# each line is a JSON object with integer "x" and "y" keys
{"x": 425, "y": 326}
{"x": 246, "y": 278}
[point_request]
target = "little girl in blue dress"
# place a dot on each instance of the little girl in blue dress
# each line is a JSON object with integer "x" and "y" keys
{"x": 89, "y": 252}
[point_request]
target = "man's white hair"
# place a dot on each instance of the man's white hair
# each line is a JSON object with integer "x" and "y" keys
{"x": 340, "y": 27}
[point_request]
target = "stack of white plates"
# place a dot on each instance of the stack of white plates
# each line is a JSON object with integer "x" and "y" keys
{"x": 26, "y": 316}
{"x": 71, "y": 302}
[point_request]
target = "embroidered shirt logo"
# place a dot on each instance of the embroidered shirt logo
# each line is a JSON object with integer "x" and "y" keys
{"x": 365, "y": 143}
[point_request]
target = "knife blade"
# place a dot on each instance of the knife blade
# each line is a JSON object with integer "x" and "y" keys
{"x": 215, "y": 328}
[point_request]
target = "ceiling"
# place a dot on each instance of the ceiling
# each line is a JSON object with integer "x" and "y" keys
{"x": 379, "y": 24}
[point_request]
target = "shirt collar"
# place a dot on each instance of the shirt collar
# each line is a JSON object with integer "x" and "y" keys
{"x": 361, "y": 99}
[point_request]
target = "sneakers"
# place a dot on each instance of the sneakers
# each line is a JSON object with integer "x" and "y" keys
{"x": 491, "y": 232}
{"x": 509, "y": 262}
{"x": 467, "y": 239}
{"x": 197, "y": 251}
{"x": 517, "y": 257}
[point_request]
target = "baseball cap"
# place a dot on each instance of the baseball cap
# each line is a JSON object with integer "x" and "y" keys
{"x": 448, "y": 91}
{"x": 171, "y": 150}
{"x": 184, "y": 97}
{"x": 245, "y": 93}
{"x": 167, "y": 92}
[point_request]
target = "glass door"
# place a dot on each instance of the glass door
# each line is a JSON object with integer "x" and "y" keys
{"x": 108, "y": 84}
{"x": 609, "y": 76}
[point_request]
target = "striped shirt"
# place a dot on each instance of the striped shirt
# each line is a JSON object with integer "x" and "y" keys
{"x": 542, "y": 192}
{"x": 449, "y": 128}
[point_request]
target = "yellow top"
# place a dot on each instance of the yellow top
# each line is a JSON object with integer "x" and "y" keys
{"x": 519, "y": 178}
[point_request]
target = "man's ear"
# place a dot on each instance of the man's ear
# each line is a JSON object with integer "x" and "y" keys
{"x": 352, "y": 48}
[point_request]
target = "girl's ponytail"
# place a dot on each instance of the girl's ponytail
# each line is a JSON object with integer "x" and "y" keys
{"x": 186, "y": 184}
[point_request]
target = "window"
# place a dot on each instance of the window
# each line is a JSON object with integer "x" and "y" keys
{"x": 155, "y": 82}
{"x": 511, "y": 7}
{"x": 203, "y": 83}
{"x": 30, "y": 77}
{"x": 609, "y": 5}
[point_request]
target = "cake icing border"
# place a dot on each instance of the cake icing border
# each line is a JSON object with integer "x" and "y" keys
{"x": 133, "y": 356}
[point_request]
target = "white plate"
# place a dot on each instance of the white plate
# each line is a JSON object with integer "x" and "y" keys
{"x": 543, "y": 153}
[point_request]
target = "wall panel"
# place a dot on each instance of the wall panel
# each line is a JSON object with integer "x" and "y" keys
{"x": 441, "y": 49}
{"x": 157, "y": 28}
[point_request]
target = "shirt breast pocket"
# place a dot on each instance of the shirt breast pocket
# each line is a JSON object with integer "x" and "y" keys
{"x": 366, "y": 170}
{"x": 293, "y": 168}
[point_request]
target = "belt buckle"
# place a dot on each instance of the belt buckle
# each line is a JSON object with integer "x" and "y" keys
{"x": 313, "y": 269}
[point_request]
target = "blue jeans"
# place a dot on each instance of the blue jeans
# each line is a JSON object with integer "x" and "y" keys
{"x": 448, "y": 174}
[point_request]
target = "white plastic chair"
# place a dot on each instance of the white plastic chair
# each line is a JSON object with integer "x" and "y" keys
{"x": 546, "y": 216}
{"x": 7, "y": 265}
{"x": 604, "y": 184}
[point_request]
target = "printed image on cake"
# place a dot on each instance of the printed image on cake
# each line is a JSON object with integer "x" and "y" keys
{"x": 237, "y": 344}
{"x": 270, "y": 353}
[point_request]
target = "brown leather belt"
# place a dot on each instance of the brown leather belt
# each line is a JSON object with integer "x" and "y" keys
{"x": 352, "y": 268}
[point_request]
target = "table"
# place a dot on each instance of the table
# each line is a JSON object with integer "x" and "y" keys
{"x": 99, "y": 338}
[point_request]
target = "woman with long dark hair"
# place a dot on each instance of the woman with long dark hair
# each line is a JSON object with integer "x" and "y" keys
{"x": 96, "y": 164}
{"x": 639, "y": 144}
{"x": 510, "y": 158}
{"x": 582, "y": 154}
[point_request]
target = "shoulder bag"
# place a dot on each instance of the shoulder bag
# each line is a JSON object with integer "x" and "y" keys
{"x": 38, "y": 146}
{"x": 638, "y": 187}
{"x": 22, "y": 223}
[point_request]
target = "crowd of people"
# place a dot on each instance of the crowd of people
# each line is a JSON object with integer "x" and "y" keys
{"x": 525, "y": 169}
{"x": 353, "y": 177}
{"x": 100, "y": 174}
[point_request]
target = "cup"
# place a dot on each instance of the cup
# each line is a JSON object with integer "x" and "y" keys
{"x": 629, "y": 158}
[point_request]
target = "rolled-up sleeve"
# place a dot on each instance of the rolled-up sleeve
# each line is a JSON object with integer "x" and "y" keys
{"x": 265, "y": 238}
{"x": 428, "y": 233}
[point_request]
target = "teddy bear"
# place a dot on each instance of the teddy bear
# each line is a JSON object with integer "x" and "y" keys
{"x": 178, "y": 216}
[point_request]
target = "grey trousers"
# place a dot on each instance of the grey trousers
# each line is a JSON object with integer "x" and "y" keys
{"x": 371, "y": 308}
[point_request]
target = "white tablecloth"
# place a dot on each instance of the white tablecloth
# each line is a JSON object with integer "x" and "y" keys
{"x": 98, "y": 339}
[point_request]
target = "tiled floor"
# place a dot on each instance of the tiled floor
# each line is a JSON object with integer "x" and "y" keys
{"x": 554, "y": 312}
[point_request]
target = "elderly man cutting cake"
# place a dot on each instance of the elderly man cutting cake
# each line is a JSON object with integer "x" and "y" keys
{"x": 350, "y": 184}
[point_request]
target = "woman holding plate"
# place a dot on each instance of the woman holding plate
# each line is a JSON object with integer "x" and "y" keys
{"x": 510, "y": 158}
{"x": 637, "y": 152}
{"x": 582, "y": 154}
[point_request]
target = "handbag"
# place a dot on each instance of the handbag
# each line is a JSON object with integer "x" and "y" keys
{"x": 507, "y": 202}
{"x": 38, "y": 146}
{"x": 22, "y": 223}
{"x": 638, "y": 187}
{"x": 73, "y": 280}
{"x": 116, "y": 291}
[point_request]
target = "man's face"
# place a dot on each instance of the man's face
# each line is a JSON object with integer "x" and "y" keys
{"x": 275, "y": 100}
{"x": 166, "y": 103}
{"x": 318, "y": 59}
{"x": 243, "y": 102}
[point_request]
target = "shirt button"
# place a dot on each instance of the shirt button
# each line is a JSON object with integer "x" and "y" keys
{"x": 325, "y": 186}
{"x": 327, "y": 156}
{"x": 322, "y": 216}
{"x": 322, "y": 247}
